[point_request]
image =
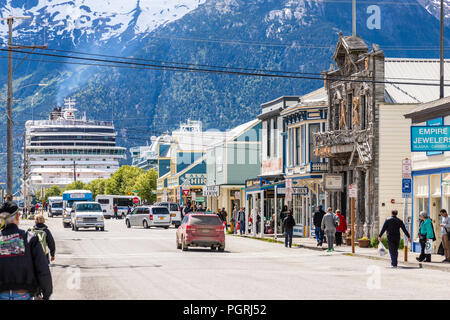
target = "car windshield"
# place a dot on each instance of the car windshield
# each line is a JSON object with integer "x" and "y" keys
{"x": 205, "y": 220}
{"x": 57, "y": 205}
{"x": 160, "y": 211}
{"x": 174, "y": 207}
{"x": 89, "y": 207}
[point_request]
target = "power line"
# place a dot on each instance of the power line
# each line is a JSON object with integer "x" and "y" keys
{"x": 203, "y": 70}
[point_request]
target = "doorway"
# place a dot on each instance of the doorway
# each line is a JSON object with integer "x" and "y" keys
{"x": 435, "y": 209}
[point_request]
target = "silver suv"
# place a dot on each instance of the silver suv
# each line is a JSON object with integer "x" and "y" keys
{"x": 149, "y": 216}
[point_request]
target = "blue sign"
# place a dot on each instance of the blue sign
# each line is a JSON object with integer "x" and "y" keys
{"x": 406, "y": 186}
{"x": 435, "y": 122}
{"x": 430, "y": 138}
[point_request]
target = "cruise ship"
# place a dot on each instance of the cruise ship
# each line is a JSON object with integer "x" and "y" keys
{"x": 63, "y": 149}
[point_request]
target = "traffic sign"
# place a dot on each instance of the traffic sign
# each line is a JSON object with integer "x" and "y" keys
{"x": 406, "y": 168}
{"x": 406, "y": 188}
{"x": 135, "y": 200}
{"x": 353, "y": 191}
{"x": 186, "y": 192}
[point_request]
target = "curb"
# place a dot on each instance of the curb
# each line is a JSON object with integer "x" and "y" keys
{"x": 359, "y": 255}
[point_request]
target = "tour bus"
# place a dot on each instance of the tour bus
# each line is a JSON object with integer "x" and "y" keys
{"x": 69, "y": 197}
{"x": 108, "y": 201}
{"x": 55, "y": 206}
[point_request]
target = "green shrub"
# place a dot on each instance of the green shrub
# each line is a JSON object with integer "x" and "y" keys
{"x": 374, "y": 242}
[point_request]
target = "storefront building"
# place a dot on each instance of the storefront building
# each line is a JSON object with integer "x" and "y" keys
{"x": 430, "y": 170}
{"x": 230, "y": 163}
{"x": 302, "y": 121}
{"x": 261, "y": 192}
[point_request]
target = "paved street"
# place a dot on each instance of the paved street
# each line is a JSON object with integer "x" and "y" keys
{"x": 138, "y": 263}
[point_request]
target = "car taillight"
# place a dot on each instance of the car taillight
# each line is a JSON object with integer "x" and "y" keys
{"x": 172, "y": 215}
{"x": 190, "y": 228}
{"x": 219, "y": 229}
{"x": 151, "y": 217}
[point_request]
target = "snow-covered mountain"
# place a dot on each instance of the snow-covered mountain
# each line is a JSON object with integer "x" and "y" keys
{"x": 434, "y": 7}
{"x": 99, "y": 20}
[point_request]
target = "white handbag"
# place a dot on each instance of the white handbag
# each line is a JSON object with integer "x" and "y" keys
{"x": 429, "y": 247}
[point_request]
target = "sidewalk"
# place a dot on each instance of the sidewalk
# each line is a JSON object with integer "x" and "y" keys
{"x": 368, "y": 253}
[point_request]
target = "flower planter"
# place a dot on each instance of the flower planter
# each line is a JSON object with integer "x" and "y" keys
{"x": 348, "y": 241}
{"x": 363, "y": 243}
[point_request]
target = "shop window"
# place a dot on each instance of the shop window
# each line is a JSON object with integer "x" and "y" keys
{"x": 313, "y": 128}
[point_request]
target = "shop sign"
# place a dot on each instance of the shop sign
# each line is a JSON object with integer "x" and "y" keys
{"x": 333, "y": 182}
{"x": 211, "y": 191}
{"x": 299, "y": 230}
{"x": 253, "y": 183}
{"x": 178, "y": 193}
{"x": 195, "y": 179}
{"x": 295, "y": 190}
{"x": 430, "y": 138}
{"x": 194, "y": 196}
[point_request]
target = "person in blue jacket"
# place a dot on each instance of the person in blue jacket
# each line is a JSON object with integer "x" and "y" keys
{"x": 426, "y": 232}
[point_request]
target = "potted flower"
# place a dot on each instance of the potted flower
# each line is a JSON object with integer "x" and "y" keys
{"x": 363, "y": 242}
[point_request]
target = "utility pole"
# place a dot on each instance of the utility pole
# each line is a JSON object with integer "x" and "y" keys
{"x": 9, "y": 138}
{"x": 25, "y": 169}
{"x": 442, "y": 52}
{"x": 74, "y": 171}
{"x": 354, "y": 18}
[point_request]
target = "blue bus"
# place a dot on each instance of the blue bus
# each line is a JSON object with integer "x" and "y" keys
{"x": 69, "y": 197}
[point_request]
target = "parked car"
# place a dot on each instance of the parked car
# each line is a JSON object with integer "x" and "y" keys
{"x": 87, "y": 214}
{"x": 149, "y": 216}
{"x": 175, "y": 211}
{"x": 201, "y": 230}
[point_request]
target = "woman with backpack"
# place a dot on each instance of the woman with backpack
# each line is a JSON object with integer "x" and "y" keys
{"x": 45, "y": 237}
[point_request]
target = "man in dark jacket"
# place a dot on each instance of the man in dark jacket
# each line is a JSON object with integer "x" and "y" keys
{"x": 49, "y": 241}
{"x": 24, "y": 271}
{"x": 288, "y": 225}
{"x": 317, "y": 220}
{"x": 393, "y": 225}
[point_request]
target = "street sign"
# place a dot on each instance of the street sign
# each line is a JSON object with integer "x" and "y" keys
{"x": 406, "y": 168}
{"x": 186, "y": 192}
{"x": 430, "y": 138}
{"x": 178, "y": 193}
{"x": 406, "y": 188}
{"x": 135, "y": 200}
{"x": 353, "y": 191}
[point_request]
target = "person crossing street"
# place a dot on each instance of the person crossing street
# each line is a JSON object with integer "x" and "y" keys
{"x": 392, "y": 226}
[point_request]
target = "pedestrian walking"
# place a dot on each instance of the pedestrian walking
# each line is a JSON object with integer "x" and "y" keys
{"x": 392, "y": 226}
{"x": 115, "y": 209}
{"x": 317, "y": 220}
{"x": 241, "y": 219}
{"x": 341, "y": 229}
{"x": 445, "y": 233}
{"x": 235, "y": 216}
{"x": 328, "y": 225}
{"x": 426, "y": 233}
{"x": 288, "y": 226}
{"x": 45, "y": 237}
{"x": 24, "y": 271}
{"x": 283, "y": 214}
{"x": 224, "y": 215}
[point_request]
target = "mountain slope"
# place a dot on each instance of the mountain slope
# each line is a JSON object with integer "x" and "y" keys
{"x": 290, "y": 35}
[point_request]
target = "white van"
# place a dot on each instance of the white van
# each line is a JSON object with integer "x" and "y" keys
{"x": 87, "y": 214}
{"x": 55, "y": 206}
{"x": 108, "y": 201}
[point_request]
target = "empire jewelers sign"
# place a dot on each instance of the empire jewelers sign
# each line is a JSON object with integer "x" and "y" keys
{"x": 430, "y": 138}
